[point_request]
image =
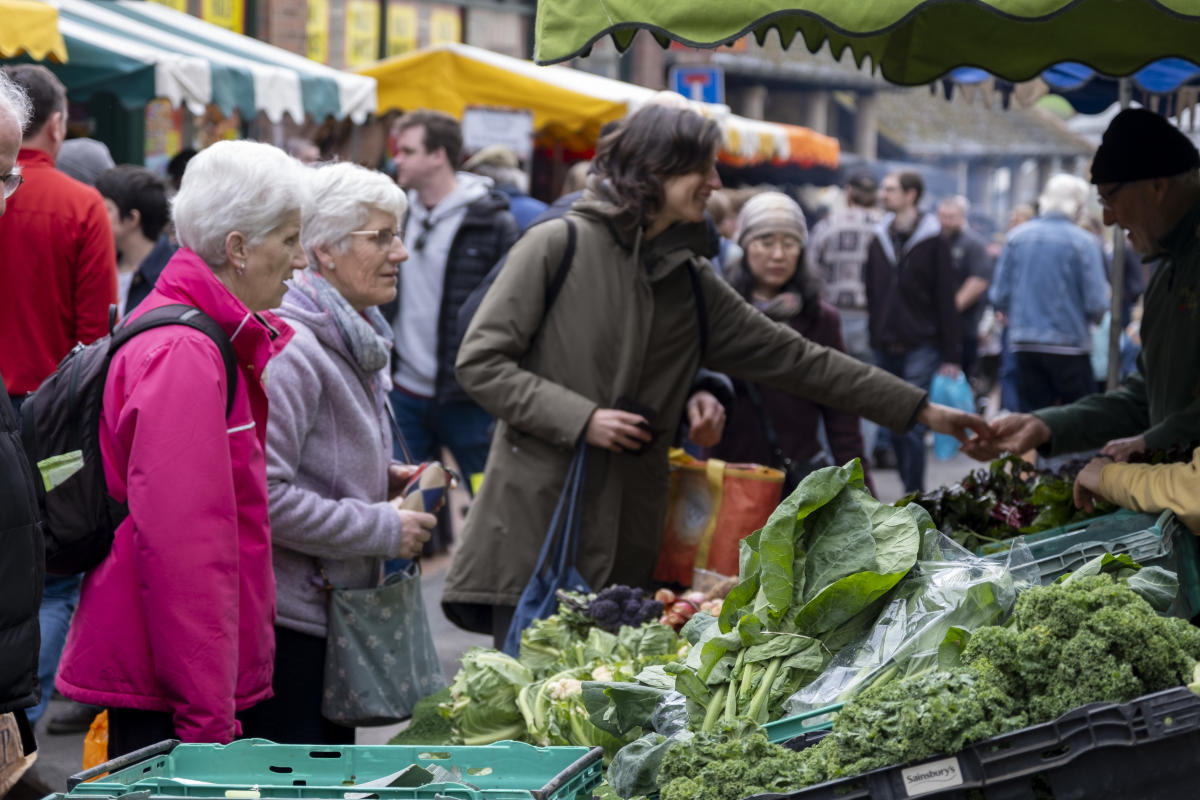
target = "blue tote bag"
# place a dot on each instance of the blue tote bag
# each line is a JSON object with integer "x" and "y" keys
{"x": 556, "y": 564}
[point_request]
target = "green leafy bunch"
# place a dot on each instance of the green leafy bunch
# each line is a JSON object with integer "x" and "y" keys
{"x": 483, "y": 698}
{"x": 721, "y": 768}
{"x": 1007, "y": 498}
{"x": 1093, "y": 637}
{"x": 810, "y": 581}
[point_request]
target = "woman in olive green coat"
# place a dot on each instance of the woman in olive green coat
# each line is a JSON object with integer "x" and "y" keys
{"x": 625, "y": 325}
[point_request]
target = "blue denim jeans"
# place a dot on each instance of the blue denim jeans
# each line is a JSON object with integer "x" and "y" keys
{"x": 59, "y": 599}
{"x": 917, "y": 366}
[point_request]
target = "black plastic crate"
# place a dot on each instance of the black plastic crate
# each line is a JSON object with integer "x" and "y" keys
{"x": 1147, "y": 749}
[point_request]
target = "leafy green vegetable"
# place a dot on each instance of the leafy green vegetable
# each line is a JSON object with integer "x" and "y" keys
{"x": 428, "y": 725}
{"x": 483, "y": 705}
{"x": 810, "y": 582}
{"x": 1087, "y": 639}
{"x": 619, "y": 708}
{"x": 932, "y": 608}
{"x": 1008, "y": 498}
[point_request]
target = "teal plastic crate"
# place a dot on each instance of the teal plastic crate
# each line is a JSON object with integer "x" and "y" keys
{"x": 255, "y": 768}
{"x": 819, "y": 719}
{"x": 1120, "y": 521}
{"x": 1152, "y": 540}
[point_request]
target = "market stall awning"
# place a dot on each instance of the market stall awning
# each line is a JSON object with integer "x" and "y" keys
{"x": 566, "y": 103}
{"x": 30, "y": 28}
{"x": 141, "y": 50}
{"x": 1090, "y": 92}
{"x": 912, "y": 41}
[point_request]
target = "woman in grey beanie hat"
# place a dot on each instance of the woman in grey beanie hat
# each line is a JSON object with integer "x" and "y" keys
{"x": 772, "y": 276}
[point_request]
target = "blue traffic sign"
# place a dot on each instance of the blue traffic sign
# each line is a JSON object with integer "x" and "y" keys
{"x": 704, "y": 84}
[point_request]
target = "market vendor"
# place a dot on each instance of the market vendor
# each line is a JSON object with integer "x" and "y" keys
{"x": 610, "y": 363}
{"x": 1148, "y": 176}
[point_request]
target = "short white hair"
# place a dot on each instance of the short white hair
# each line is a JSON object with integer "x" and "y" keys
{"x": 955, "y": 201}
{"x": 1064, "y": 194}
{"x": 341, "y": 197}
{"x": 14, "y": 101}
{"x": 230, "y": 186}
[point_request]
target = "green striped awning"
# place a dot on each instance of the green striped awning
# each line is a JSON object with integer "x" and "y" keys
{"x": 140, "y": 50}
{"x": 911, "y": 41}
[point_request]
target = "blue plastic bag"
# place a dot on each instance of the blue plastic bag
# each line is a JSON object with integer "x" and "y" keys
{"x": 556, "y": 563}
{"x": 956, "y": 393}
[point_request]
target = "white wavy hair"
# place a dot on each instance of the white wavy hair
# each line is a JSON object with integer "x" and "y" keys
{"x": 341, "y": 197}
{"x": 14, "y": 100}
{"x": 249, "y": 187}
{"x": 1064, "y": 194}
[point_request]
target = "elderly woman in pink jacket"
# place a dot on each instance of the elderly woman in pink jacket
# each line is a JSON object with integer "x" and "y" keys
{"x": 173, "y": 633}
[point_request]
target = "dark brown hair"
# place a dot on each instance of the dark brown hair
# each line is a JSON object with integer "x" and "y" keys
{"x": 655, "y": 143}
{"x": 46, "y": 94}
{"x": 910, "y": 181}
{"x": 132, "y": 187}
{"x": 442, "y": 131}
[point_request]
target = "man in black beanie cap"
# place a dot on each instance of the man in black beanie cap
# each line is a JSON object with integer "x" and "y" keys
{"x": 1147, "y": 174}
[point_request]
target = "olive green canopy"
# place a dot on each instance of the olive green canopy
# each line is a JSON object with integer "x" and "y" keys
{"x": 911, "y": 41}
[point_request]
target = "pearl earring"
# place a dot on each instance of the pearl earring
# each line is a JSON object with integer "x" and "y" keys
{"x": 241, "y": 268}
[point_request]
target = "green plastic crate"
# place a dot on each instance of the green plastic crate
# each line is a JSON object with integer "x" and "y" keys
{"x": 256, "y": 768}
{"x": 819, "y": 719}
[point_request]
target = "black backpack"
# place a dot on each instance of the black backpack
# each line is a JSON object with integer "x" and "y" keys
{"x": 60, "y": 430}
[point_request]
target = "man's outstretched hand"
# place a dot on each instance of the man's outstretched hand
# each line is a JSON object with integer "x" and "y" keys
{"x": 1016, "y": 433}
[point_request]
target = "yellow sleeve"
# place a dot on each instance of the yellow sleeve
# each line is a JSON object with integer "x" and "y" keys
{"x": 1156, "y": 487}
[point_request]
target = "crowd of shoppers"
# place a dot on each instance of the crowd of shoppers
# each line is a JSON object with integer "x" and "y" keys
{"x": 611, "y": 326}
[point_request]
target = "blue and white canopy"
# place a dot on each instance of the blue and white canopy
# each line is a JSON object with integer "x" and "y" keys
{"x": 140, "y": 50}
{"x": 1090, "y": 92}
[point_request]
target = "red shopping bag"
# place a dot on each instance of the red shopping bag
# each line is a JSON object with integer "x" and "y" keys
{"x": 712, "y": 506}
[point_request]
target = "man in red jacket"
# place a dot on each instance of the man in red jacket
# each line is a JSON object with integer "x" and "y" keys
{"x": 58, "y": 264}
{"x": 58, "y": 267}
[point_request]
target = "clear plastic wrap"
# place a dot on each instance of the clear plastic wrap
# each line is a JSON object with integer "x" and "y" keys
{"x": 942, "y": 597}
{"x": 634, "y": 770}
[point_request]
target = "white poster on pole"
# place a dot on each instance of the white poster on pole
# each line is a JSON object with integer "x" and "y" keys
{"x": 512, "y": 128}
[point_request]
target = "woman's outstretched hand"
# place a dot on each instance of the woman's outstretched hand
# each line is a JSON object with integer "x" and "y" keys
{"x": 952, "y": 422}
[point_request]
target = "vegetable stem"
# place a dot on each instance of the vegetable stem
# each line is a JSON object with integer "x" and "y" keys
{"x": 747, "y": 683}
{"x": 715, "y": 707}
{"x": 758, "y": 706}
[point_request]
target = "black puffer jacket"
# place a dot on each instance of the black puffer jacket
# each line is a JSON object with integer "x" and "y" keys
{"x": 487, "y": 232}
{"x": 22, "y": 568}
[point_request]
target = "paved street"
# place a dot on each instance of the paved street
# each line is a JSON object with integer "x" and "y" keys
{"x": 60, "y": 756}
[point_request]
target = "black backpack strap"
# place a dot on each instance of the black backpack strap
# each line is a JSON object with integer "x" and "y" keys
{"x": 192, "y": 317}
{"x": 564, "y": 267}
{"x": 701, "y": 308}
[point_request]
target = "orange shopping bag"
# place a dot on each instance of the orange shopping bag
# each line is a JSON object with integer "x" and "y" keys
{"x": 95, "y": 744}
{"x": 711, "y": 507}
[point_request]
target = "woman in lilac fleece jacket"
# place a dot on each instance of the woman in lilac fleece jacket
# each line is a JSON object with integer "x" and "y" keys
{"x": 329, "y": 471}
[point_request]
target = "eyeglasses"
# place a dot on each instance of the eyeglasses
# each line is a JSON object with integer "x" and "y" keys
{"x": 383, "y": 237}
{"x": 1106, "y": 198}
{"x": 790, "y": 244}
{"x": 11, "y": 182}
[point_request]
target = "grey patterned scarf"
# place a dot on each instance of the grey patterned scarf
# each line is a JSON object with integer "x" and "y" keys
{"x": 368, "y": 336}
